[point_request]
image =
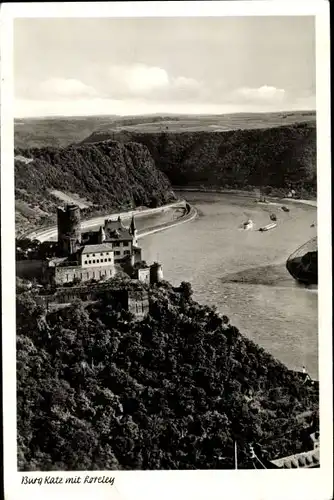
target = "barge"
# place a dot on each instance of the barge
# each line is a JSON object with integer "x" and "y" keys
{"x": 272, "y": 225}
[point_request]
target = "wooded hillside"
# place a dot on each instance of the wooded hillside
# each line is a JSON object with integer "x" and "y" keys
{"x": 98, "y": 390}
{"x": 106, "y": 176}
{"x": 278, "y": 157}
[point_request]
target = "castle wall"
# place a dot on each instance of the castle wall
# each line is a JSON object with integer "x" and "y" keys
{"x": 60, "y": 275}
{"x": 138, "y": 304}
{"x": 97, "y": 260}
{"x": 121, "y": 249}
{"x": 143, "y": 275}
{"x": 156, "y": 273}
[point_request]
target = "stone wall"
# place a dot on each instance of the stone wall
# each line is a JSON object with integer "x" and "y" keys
{"x": 136, "y": 302}
{"x": 143, "y": 275}
{"x": 66, "y": 274}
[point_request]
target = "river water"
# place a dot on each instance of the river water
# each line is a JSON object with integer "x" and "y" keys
{"x": 243, "y": 272}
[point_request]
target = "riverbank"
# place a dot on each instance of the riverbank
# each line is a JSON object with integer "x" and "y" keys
{"x": 246, "y": 193}
{"x": 190, "y": 214}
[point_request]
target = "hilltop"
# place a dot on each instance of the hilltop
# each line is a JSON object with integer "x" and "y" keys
{"x": 98, "y": 390}
{"x": 63, "y": 131}
{"x": 100, "y": 178}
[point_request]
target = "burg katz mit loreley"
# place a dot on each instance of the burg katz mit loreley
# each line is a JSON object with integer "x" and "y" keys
{"x": 166, "y": 246}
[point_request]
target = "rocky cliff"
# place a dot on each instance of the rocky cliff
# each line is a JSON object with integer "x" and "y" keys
{"x": 303, "y": 263}
{"x": 277, "y": 157}
{"x": 98, "y": 177}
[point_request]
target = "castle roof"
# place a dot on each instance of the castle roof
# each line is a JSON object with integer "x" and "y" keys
{"x": 113, "y": 224}
{"x": 132, "y": 227}
{"x": 56, "y": 261}
{"x": 118, "y": 235}
{"x": 102, "y": 247}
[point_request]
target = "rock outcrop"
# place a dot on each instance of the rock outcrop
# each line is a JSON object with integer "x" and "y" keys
{"x": 303, "y": 263}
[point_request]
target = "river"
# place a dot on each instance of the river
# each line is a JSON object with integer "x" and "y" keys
{"x": 243, "y": 272}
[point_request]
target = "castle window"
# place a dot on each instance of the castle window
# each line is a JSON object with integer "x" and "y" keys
{"x": 107, "y": 253}
{"x": 117, "y": 252}
{"x": 105, "y": 260}
{"x": 89, "y": 262}
{"x": 101, "y": 253}
{"x": 87, "y": 255}
{"x": 127, "y": 252}
{"x": 125, "y": 244}
{"x": 93, "y": 261}
{"x": 109, "y": 259}
{"x": 85, "y": 262}
{"x": 93, "y": 254}
{"x": 97, "y": 260}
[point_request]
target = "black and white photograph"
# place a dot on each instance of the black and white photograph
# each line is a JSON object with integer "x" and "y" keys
{"x": 169, "y": 189}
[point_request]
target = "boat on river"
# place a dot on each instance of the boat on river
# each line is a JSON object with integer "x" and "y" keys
{"x": 248, "y": 224}
{"x": 272, "y": 225}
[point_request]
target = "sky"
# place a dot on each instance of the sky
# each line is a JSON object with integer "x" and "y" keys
{"x": 130, "y": 66}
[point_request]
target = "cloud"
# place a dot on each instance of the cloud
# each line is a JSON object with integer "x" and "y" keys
{"x": 65, "y": 88}
{"x": 140, "y": 80}
{"x": 261, "y": 94}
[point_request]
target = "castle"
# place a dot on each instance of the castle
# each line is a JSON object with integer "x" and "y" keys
{"x": 95, "y": 255}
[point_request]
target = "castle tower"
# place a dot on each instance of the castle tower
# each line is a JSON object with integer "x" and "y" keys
{"x": 69, "y": 229}
{"x": 156, "y": 273}
{"x": 102, "y": 235}
{"x": 133, "y": 230}
{"x": 120, "y": 224}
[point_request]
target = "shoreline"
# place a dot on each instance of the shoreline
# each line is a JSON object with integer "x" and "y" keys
{"x": 246, "y": 194}
{"x": 86, "y": 223}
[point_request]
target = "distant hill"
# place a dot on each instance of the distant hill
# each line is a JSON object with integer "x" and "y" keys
{"x": 102, "y": 177}
{"x": 63, "y": 131}
{"x": 277, "y": 157}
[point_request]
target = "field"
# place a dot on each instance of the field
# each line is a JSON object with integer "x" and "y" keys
{"x": 39, "y": 132}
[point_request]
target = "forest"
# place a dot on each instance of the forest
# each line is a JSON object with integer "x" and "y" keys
{"x": 98, "y": 390}
{"x": 108, "y": 176}
{"x": 277, "y": 157}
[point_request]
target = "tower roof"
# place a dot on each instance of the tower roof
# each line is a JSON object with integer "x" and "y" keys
{"x": 132, "y": 227}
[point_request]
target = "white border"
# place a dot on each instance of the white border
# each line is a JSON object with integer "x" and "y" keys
{"x": 260, "y": 485}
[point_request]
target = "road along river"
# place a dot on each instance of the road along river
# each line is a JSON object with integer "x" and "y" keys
{"x": 146, "y": 218}
{"x": 243, "y": 272}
